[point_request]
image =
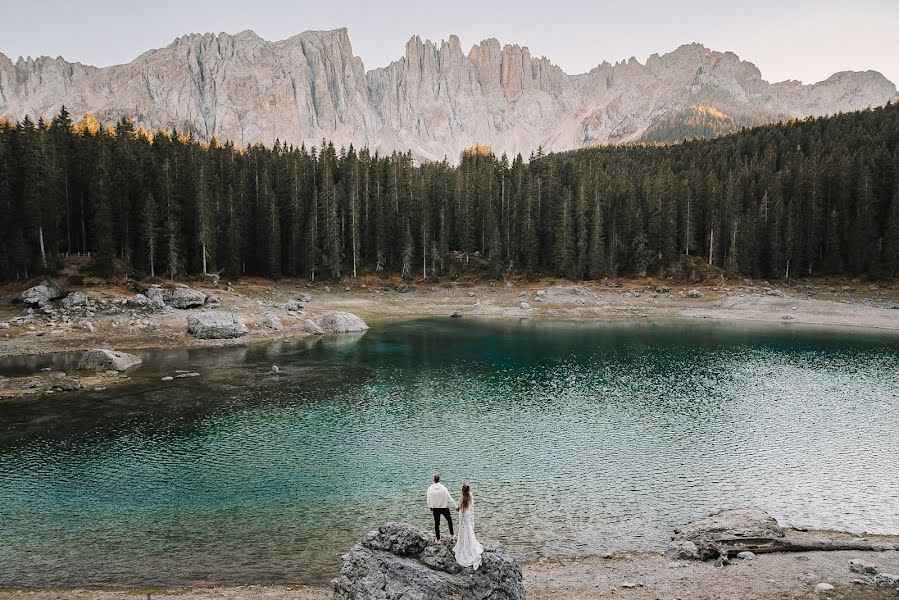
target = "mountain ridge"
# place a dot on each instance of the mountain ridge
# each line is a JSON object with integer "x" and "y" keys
{"x": 436, "y": 99}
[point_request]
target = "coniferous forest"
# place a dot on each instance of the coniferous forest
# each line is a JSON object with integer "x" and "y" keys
{"x": 812, "y": 197}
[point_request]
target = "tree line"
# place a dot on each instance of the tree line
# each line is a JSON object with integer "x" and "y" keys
{"x": 818, "y": 196}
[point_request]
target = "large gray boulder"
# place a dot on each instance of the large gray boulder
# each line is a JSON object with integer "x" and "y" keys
{"x": 310, "y": 326}
{"x": 41, "y": 293}
{"x": 211, "y": 325}
{"x": 74, "y": 299}
{"x": 340, "y": 322}
{"x": 185, "y": 297}
{"x": 723, "y": 532}
{"x": 100, "y": 359}
{"x": 399, "y": 562}
{"x": 273, "y": 322}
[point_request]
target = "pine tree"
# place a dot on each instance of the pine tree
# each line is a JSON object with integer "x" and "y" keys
{"x": 149, "y": 228}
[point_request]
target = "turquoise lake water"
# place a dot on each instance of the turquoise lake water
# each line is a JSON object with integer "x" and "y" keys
{"x": 577, "y": 439}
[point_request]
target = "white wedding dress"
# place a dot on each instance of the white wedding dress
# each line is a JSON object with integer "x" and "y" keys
{"x": 468, "y": 550}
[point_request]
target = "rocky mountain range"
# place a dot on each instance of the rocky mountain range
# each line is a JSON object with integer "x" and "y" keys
{"x": 436, "y": 100}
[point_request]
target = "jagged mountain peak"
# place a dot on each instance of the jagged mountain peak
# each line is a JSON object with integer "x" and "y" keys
{"x": 436, "y": 99}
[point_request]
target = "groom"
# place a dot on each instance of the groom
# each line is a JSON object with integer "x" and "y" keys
{"x": 439, "y": 500}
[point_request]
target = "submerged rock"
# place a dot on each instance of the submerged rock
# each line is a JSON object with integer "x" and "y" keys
{"x": 340, "y": 322}
{"x": 211, "y": 325}
{"x": 100, "y": 359}
{"x": 400, "y": 562}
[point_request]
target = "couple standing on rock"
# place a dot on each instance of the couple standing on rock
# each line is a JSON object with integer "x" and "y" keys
{"x": 467, "y": 549}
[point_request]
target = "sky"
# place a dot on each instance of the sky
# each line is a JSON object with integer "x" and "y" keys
{"x": 806, "y": 40}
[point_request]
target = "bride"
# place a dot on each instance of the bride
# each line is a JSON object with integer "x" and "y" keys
{"x": 468, "y": 550}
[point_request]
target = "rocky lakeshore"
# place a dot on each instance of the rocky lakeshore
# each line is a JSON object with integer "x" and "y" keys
{"x": 52, "y": 316}
{"x": 56, "y": 316}
{"x": 399, "y": 561}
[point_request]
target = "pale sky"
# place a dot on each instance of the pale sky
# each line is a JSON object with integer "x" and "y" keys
{"x": 802, "y": 39}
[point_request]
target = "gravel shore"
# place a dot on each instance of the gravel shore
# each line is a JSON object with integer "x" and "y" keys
{"x": 822, "y": 304}
{"x": 643, "y": 576}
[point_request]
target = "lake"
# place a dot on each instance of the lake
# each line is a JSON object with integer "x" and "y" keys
{"x": 577, "y": 438}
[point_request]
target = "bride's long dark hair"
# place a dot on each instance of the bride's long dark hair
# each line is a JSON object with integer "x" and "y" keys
{"x": 465, "y": 504}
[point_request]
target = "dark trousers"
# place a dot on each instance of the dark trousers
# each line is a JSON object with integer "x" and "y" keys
{"x": 449, "y": 520}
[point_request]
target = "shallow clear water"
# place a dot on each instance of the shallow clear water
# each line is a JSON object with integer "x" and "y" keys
{"x": 577, "y": 439}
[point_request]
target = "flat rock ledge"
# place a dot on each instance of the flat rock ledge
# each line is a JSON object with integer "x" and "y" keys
{"x": 211, "y": 325}
{"x": 724, "y": 534}
{"x": 100, "y": 359}
{"x": 398, "y": 561}
{"x": 336, "y": 321}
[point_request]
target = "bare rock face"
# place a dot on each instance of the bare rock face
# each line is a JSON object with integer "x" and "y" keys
{"x": 101, "y": 359}
{"x": 212, "y": 325}
{"x": 340, "y": 322}
{"x": 399, "y": 562}
{"x": 41, "y": 293}
{"x": 184, "y": 297}
{"x": 435, "y": 100}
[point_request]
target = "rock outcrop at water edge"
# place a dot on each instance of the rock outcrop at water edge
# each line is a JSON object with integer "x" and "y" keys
{"x": 340, "y": 322}
{"x": 398, "y": 561}
{"x": 100, "y": 359}
{"x": 210, "y": 325}
{"x": 726, "y": 533}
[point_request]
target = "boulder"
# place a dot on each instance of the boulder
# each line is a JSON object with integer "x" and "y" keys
{"x": 100, "y": 359}
{"x": 663, "y": 289}
{"x": 209, "y": 325}
{"x": 862, "y": 567}
{"x": 400, "y": 562}
{"x": 273, "y": 322}
{"x": 887, "y": 580}
{"x": 184, "y": 297}
{"x": 60, "y": 381}
{"x": 41, "y": 293}
{"x": 310, "y": 326}
{"x": 823, "y": 588}
{"x": 340, "y": 322}
{"x": 524, "y": 306}
{"x": 721, "y": 531}
{"x": 694, "y": 294}
{"x": 456, "y": 315}
{"x": 74, "y": 299}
